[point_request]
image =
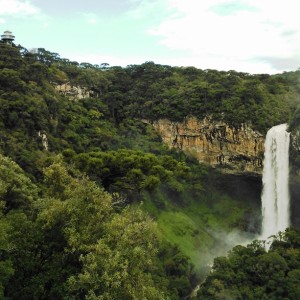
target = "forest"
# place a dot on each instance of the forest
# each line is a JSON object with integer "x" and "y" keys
{"x": 95, "y": 206}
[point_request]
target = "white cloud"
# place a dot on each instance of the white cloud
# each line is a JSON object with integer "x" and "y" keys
{"x": 256, "y": 36}
{"x": 91, "y": 18}
{"x": 22, "y": 13}
{"x": 149, "y": 9}
{"x": 17, "y": 8}
{"x": 233, "y": 34}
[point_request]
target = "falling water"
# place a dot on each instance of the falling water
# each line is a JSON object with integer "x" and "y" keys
{"x": 275, "y": 194}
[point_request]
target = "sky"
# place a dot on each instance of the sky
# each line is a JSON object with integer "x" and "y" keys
{"x": 253, "y": 36}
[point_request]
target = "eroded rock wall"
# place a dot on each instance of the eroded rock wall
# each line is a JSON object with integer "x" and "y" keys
{"x": 235, "y": 150}
{"x": 295, "y": 154}
{"x": 73, "y": 92}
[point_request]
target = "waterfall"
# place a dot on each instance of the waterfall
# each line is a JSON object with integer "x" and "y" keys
{"x": 275, "y": 193}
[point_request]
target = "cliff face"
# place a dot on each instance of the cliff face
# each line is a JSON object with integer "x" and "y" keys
{"x": 295, "y": 154}
{"x": 216, "y": 143}
{"x": 73, "y": 92}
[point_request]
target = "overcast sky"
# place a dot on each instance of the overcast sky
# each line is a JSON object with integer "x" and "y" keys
{"x": 254, "y": 36}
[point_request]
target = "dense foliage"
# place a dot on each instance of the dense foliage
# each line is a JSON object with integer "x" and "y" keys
{"x": 70, "y": 244}
{"x": 252, "y": 272}
{"x": 153, "y": 91}
{"x": 92, "y": 204}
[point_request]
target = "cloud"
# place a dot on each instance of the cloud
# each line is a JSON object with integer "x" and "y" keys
{"x": 231, "y": 8}
{"x": 91, "y": 18}
{"x": 283, "y": 63}
{"x": 22, "y": 13}
{"x": 239, "y": 32}
{"x": 17, "y": 8}
{"x": 150, "y": 10}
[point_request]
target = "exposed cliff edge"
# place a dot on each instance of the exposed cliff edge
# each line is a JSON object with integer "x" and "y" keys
{"x": 235, "y": 150}
{"x": 74, "y": 92}
{"x": 295, "y": 154}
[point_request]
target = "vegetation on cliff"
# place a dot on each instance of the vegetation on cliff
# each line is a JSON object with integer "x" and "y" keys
{"x": 93, "y": 205}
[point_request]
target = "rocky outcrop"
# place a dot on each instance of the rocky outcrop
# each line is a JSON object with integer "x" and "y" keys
{"x": 73, "y": 92}
{"x": 294, "y": 154}
{"x": 295, "y": 176}
{"x": 235, "y": 150}
{"x": 42, "y": 135}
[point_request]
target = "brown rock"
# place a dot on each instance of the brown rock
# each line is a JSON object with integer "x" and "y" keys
{"x": 216, "y": 143}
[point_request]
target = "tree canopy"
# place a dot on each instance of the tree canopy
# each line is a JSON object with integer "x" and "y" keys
{"x": 252, "y": 272}
{"x": 94, "y": 206}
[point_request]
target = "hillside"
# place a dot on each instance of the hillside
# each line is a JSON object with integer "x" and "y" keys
{"x": 93, "y": 204}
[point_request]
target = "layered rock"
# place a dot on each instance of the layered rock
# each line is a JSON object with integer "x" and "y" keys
{"x": 42, "y": 135}
{"x": 73, "y": 92}
{"x": 294, "y": 154}
{"x": 235, "y": 150}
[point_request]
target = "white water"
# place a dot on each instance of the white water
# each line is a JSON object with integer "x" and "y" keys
{"x": 275, "y": 193}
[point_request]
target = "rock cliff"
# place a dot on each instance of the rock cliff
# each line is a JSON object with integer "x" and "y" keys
{"x": 73, "y": 92}
{"x": 295, "y": 154}
{"x": 235, "y": 150}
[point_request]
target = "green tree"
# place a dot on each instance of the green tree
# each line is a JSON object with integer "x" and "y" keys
{"x": 16, "y": 189}
{"x": 120, "y": 265}
{"x": 6, "y": 264}
{"x": 253, "y": 273}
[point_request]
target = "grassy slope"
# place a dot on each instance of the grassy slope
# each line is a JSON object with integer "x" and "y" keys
{"x": 202, "y": 229}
